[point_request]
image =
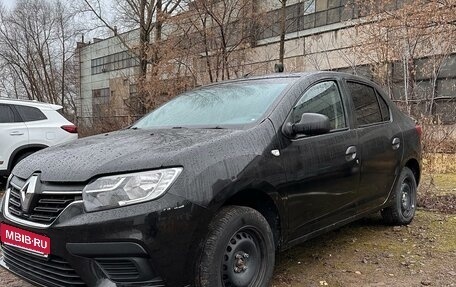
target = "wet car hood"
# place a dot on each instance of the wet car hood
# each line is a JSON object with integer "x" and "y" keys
{"x": 122, "y": 151}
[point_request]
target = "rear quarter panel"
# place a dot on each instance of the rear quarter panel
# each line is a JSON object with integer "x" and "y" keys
{"x": 49, "y": 132}
{"x": 412, "y": 141}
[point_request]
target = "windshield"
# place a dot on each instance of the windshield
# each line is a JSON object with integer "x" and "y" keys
{"x": 236, "y": 103}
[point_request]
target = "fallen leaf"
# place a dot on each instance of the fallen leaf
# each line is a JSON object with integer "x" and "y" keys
{"x": 426, "y": 282}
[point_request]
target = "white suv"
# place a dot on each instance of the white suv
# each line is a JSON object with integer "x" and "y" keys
{"x": 28, "y": 126}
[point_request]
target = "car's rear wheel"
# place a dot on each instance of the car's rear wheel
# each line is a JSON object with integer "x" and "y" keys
{"x": 239, "y": 250}
{"x": 402, "y": 211}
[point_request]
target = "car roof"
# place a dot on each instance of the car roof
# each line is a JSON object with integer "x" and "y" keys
{"x": 303, "y": 75}
{"x": 298, "y": 75}
{"x": 29, "y": 103}
{"x": 265, "y": 77}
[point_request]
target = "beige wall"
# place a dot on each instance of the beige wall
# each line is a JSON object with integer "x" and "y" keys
{"x": 327, "y": 47}
{"x": 89, "y": 82}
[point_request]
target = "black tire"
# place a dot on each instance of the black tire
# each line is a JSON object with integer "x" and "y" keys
{"x": 239, "y": 250}
{"x": 403, "y": 198}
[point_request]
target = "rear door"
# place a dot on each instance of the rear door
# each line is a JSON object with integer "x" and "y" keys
{"x": 40, "y": 129}
{"x": 322, "y": 178}
{"x": 13, "y": 134}
{"x": 380, "y": 144}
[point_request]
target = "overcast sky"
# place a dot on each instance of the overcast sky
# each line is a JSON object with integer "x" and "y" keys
{"x": 99, "y": 32}
{"x": 11, "y": 3}
{"x": 8, "y": 3}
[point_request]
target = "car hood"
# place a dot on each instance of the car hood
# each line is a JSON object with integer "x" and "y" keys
{"x": 122, "y": 151}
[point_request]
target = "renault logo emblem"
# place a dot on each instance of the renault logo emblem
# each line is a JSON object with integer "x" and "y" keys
{"x": 27, "y": 192}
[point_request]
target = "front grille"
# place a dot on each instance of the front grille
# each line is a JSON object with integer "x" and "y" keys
{"x": 53, "y": 271}
{"x": 44, "y": 209}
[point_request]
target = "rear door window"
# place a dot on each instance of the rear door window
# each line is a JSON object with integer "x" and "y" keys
{"x": 7, "y": 114}
{"x": 367, "y": 108}
{"x": 30, "y": 114}
{"x": 384, "y": 109}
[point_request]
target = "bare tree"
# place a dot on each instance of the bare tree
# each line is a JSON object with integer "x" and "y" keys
{"x": 149, "y": 17}
{"x": 36, "y": 47}
{"x": 146, "y": 15}
{"x": 220, "y": 31}
{"x": 283, "y": 29}
{"x": 402, "y": 32}
{"x": 285, "y": 23}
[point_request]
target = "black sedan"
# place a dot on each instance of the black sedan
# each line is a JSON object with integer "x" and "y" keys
{"x": 203, "y": 190}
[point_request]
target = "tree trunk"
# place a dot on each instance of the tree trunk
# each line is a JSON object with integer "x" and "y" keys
{"x": 283, "y": 23}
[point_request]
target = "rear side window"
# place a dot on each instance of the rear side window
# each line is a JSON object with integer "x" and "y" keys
{"x": 367, "y": 109}
{"x": 30, "y": 114}
{"x": 7, "y": 115}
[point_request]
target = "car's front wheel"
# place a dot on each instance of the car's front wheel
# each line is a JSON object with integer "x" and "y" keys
{"x": 402, "y": 211}
{"x": 239, "y": 250}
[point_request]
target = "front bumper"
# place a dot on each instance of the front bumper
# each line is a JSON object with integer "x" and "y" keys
{"x": 140, "y": 245}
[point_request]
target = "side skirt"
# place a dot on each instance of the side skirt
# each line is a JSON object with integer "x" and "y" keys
{"x": 333, "y": 226}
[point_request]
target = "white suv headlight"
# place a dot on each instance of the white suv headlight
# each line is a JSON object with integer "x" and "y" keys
{"x": 119, "y": 190}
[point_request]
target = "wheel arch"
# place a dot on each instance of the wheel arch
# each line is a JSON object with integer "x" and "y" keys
{"x": 264, "y": 204}
{"x": 21, "y": 150}
{"x": 414, "y": 166}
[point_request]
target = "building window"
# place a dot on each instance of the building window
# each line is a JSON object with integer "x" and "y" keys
{"x": 114, "y": 62}
{"x": 309, "y": 7}
{"x": 100, "y": 100}
{"x": 308, "y": 14}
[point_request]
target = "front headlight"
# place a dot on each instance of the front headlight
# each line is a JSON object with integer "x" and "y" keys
{"x": 119, "y": 190}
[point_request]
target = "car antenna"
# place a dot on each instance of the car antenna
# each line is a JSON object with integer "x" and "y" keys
{"x": 247, "y": 75}
{"x": 279, "y": 68}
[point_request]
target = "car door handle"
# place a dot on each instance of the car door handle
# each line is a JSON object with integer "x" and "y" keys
{"x": 396, "y": 143}
{"x": 16, "y": 133}
{"x": 350, "y": 154}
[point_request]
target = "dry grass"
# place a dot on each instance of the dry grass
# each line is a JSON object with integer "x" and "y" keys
{"x": 368, "y": 253}
{"x": 439, "y": 163}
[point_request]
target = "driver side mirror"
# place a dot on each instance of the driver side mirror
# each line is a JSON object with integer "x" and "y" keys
{"x": 311, "y": 124}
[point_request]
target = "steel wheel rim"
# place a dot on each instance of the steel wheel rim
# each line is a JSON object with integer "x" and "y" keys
{"x": 407, "y": 198}
{"x": 243, "y": 261}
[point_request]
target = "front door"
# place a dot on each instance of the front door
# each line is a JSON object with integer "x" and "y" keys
{"x": 322, "y": 171}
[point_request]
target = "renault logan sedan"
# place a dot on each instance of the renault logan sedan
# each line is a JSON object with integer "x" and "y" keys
{"x": 203, "y": 190}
